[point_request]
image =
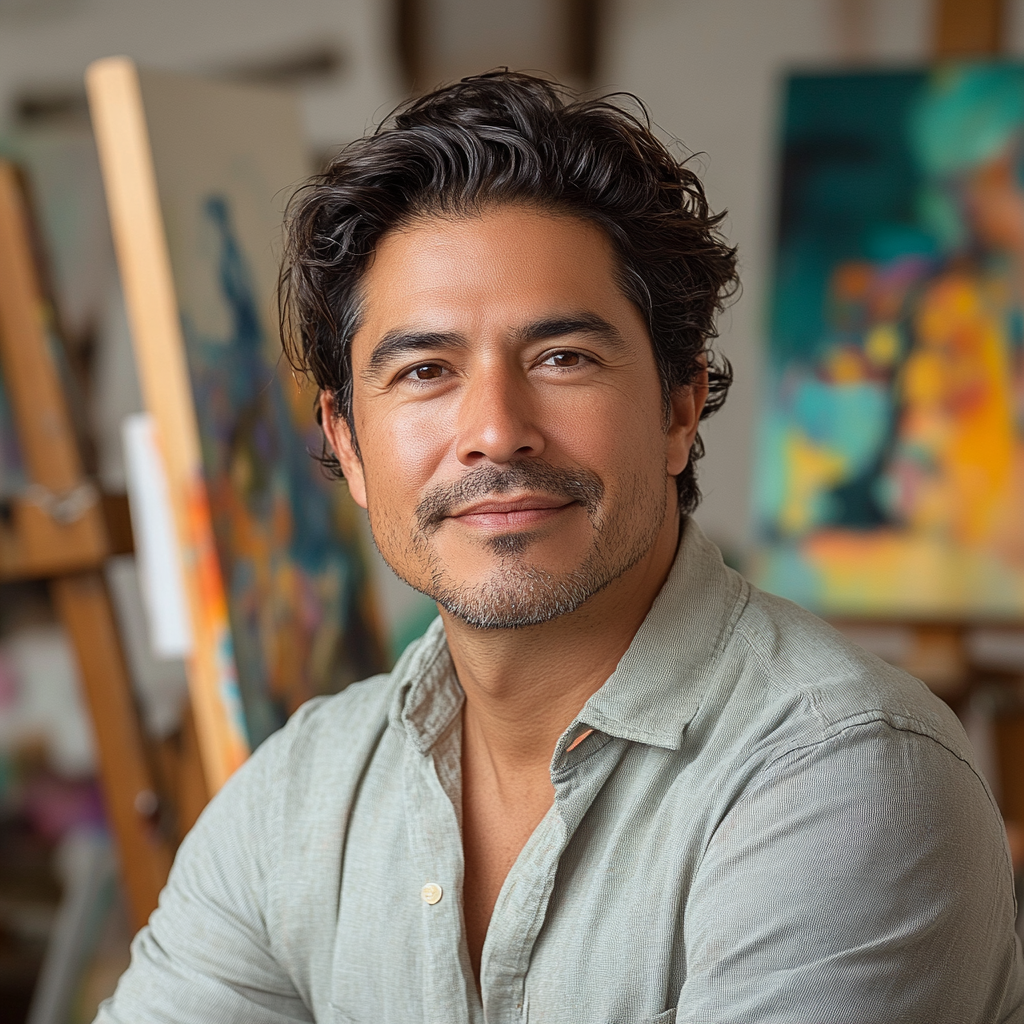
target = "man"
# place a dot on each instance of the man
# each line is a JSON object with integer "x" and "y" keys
{"x": 613, "y": 782}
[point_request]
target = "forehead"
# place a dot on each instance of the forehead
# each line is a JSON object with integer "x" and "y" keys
{"x": 506, "y": 263}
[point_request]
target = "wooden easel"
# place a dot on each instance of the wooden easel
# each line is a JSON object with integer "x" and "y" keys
{"x": 62, "y": 530}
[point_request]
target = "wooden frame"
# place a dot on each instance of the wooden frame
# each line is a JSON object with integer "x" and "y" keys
{"x": 115, "y": 99}
{"x": 277, "y": 590}
{"x": 968, "y": 28}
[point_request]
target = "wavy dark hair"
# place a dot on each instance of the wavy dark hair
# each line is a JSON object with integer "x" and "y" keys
{"x": 502, "y": 138}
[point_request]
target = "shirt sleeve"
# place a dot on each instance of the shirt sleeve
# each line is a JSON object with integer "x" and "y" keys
{"x": 206, "y": 954}
{"x": 864, "y": 878}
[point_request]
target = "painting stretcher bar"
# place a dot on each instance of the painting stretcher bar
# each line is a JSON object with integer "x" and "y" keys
{"x": 116, "y": 103}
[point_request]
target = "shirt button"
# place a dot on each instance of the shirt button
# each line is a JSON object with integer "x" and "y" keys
{"x": 431, "y": 893}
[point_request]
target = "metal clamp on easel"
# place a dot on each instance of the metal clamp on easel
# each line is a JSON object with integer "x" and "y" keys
{"x": 65, "y": 508}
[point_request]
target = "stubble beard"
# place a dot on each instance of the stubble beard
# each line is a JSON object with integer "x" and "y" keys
{"x": 519, "y": 593}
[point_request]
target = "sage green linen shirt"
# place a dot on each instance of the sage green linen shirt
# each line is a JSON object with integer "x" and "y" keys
{"x": 767, "y": 825}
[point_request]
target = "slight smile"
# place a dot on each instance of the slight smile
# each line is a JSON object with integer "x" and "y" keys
{"x": 514, "y": 514}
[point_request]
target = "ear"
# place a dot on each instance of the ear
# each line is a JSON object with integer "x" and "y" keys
{"x": 686, "y": 405}
{"x": 339, "y": 437}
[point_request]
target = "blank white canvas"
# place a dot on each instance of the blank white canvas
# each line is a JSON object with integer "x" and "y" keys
{"x": 156, "y": 545}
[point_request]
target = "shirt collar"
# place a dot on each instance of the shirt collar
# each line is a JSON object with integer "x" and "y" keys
{"x": 428, "y": 696}
{"x": 655, "y": 689}
{"x": 657, "y": 686}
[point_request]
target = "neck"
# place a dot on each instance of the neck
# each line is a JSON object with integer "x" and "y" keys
{"x": 525, "y": 686}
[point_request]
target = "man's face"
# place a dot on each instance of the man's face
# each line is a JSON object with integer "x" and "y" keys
{"x": 513, "y": 449}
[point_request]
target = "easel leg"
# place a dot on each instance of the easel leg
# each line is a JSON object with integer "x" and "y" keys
{"x": 84, "y": 607}
{"x": 179, "y": 771}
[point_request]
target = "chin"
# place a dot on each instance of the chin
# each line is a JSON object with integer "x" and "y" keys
{"x": 517, "y": 594}
{"x": 504, "y": 611}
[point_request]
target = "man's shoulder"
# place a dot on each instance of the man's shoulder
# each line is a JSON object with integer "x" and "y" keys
{"x": 325, "y": 727}
{"x": 828, "y": 683}
{"x": 328, "y": 735}
{"x": 362, "y": 709}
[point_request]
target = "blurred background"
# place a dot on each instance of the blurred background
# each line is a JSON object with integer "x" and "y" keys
{"x": 712, "y": 73}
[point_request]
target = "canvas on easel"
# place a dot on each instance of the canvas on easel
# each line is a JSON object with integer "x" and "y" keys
{"x": 891, "y": 463}
{"x": 197, "y": 175}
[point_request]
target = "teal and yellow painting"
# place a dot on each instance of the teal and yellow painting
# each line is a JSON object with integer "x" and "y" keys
{"x": 890, "y": 468}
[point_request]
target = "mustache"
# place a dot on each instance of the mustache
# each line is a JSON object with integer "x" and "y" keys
{"x": 572, "y": 484}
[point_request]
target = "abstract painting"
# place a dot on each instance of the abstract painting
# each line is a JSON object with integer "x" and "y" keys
{"x": 276, "y": 572}
{"x": 287, "y": 541}
{"x": 890, "y": 467}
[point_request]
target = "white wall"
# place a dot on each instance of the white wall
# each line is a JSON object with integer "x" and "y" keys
{"x": 710, "y": 72}
{"x": 49, "y": 43}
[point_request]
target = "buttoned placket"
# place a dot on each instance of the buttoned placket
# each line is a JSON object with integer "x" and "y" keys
{"x": 432, "y": 722}
{"x": 517, "y": 919}
{"x": 522, "y": 904}
{"x": 433, "y": 805}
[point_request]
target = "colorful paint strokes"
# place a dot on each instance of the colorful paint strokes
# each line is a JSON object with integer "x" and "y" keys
{"x": 285, "y": 535}
{"x": 198, "y": 174}
{"x": 890, "y": 477}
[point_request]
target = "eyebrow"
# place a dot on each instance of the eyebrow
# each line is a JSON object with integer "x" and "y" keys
{"x": 572, "y": 323}
{"x": 399, "y": 343}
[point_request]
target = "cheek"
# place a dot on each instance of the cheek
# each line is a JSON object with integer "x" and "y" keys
{"x": 612, "y": 432}
{"x": 401, "y": 454}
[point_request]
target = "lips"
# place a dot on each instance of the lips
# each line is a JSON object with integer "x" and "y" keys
{"x": 537, "y": 503}
{"x": 515, "y": 513}
{"x": 524, "y": 489}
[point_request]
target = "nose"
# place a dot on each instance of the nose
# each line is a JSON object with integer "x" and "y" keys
{"x": 497, "y": 419}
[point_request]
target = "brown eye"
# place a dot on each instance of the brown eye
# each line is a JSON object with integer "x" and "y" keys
{"x": 564, "y": 359}
{"x": 428, "y": 371}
